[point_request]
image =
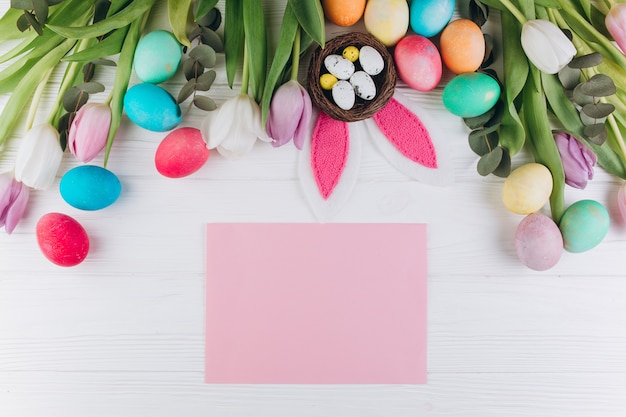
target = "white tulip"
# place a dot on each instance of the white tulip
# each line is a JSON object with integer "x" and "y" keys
{"x": 39, "y": 157}
{"x": 546, "y": 46}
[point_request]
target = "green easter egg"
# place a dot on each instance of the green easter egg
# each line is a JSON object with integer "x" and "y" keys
{"x": 583, "y": 225}
{"x": 471, "y": 94}
{"x": 157, "y": 57}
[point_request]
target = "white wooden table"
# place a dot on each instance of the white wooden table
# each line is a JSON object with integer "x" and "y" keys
{"x": 122, "y": 334}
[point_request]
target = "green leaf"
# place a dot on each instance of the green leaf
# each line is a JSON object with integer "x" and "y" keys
{"x": 177, "y": 13}
{"x": 192, "y": 68}
{"x": 586, "y": 61}
{"x": 186, "y": 91}
{"x": 599, "y": 85}
{"x": 92, "y": 87}
{"x": 32, "y": 21}
{"x": 203, "y": 7}
{"x": 40, "y": 9}
{"x": 204, "y": 103}
{"x": 256, "y": 45}
{"x": 205, "y": 81}
{"x": 22, "y": 4}
{"x": 10, "y": 82}
{"x": 483, "y": 144}
{"x": 111, "y": 45}
{"x": 561, "y": 105}
{"x": 74, "y": 98}
{"x": 479, "y": 121}
{"x": 212, "y": 39}
{"x": 504, "y": 169}
{"x": 204, "y": 54}
{"x": 490, "y": 161}
{"x": 284, "y": 46}
{"x": 596, "y": 133}
{"x": 124, "y": 17}
{"x": 311, "y": 18}
{"x": 8, "y": 28}
{"x": 233, "y": 37}
{"x": 23, "y": 23}
{"x": 598, "y": 110}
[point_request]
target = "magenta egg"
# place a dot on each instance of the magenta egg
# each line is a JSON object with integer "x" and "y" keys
{"x": 538, "y": 242}
{"x": 62, "y": 240}
{"x": 418, "y": 62}
{"x": 182, "y": 152}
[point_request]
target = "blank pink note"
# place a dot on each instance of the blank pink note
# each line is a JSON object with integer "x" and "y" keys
{"x": 316, "y": 303}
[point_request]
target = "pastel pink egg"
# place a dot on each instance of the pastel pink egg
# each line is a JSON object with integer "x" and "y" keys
{"x": 418, "y": 62}
{"x": 182, "y": 152}
{"x": 62, "y": 240}
{"x": 538, "y": 242}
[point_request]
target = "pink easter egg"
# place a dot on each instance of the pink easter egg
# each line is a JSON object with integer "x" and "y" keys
{"x": 418, "y": 62}
{"x": 538, "y": 242}
{"x": 62, "y": 239}
{"x": 182, "y": 152}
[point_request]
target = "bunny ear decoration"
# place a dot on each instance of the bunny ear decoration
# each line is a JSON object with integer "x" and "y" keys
{"x": 408, "y": 142}
{"x": 329, "y": 166}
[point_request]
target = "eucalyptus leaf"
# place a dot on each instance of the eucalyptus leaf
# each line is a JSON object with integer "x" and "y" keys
{"x": 483, "y": 132}
{"x": 192, "y": 68}
{"x": 204, "y": 54}
{"x": 598, "y": 110}
{"x": 483, "y": 144}
{"x": 89, "y": 69}
{"x": 205, "y": 81}
{"x": 504, "y": 169}
{"x": 233, "y": 37}
{"x": 92, "y": 87}
{"x": 105, "y": 62}
{"x": 599, "y": 85}
{"x": 596, "y": 133}
{"x": 490, "y": 161}
{"x": 310, "y": 15}
{"x": 256, "y": 45}
{"x": 22, "y": 4}
{"x": 22, "y": 23}
{"x": 40, "y": 9}
{"x": 177, "y": 13}
{"x": 111, "y": 45}
{"x": 479, "y": 121}
{"x": 32, "y": 21}
{"x": 186, "y": 91}
{"x": 586, "y": 61}
{"x": 204, "y": 103}
{"x": 580, "y": 97}
{"x": 212, "y": 39}
{"x": 569, "y": 77}
{"x": 74, "y": 98}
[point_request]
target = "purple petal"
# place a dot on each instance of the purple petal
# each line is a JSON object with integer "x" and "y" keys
{"x": 16, "y": 211}
{"x": 285, "y": 113}
{"x": 305, "y": 120}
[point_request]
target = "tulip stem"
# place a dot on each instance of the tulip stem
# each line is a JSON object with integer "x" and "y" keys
{"x": 35, "y": 101}
{"x": 514, "y": 11}
{"x": 295, "y": 56}
{"x": 245, "y": 79}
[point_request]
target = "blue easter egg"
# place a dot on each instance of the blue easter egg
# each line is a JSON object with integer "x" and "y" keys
{"x": 152, "y": 108}
{"x": 90, "y": 187}
{"x": 429, "y": 17}
{"x": 583, "y": 225}
{"x": 157, "y": 57}
{"x": 470, "y": 94}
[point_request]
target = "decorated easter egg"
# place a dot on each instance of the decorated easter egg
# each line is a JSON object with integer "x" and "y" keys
{"x": 343, "y": 94}
{"x": 339, "y": 66}
{"x": 363, "y": 85}
{"x": 538, "y": 242}
{"x": 583, "y": 225}
{"x": 371, "y": 60}
{"x": 462, "y": 46}
{"x": 387, "y": 20}
{"x": 151, "y": 107}
{"x": 157, "y": 57}
{"x": 470, "y": 94}
{"x": 351, "y": 53}
{"x": 429, "y": 17}
{"x": 90, "y": 187}
{"x": 343, "y": 12}
{"x": 418, "y": 62}
{"x": 327, "y": 81}
{"x": 527, "y": 188}
{"x": 182, "y": 152}
{"x": 61, "y": 239}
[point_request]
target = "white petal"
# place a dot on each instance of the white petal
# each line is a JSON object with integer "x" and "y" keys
{"x": 39, "y": 157}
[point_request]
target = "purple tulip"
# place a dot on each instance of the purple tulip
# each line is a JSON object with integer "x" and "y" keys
{"x": 89, "y": 131}
{"x": 13, "y": 200}
{"x": 289, "y": 115}
{"x": 578, "y": 160}
{"x": 615, "y": 22}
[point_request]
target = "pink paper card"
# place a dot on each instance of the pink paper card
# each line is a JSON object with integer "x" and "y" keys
{"x": 316, "y": 304}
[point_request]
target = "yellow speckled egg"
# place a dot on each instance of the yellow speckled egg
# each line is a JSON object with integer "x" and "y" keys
{"x": 387, "y": 20}
{"x": 327, "y": 81}
{"x": 462, "y": 46}
{"x": 351, "y": 53}
{"x": 527, "y": 188}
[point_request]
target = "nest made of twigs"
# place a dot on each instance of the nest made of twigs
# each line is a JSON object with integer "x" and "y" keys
{"x": 385, "y": 81}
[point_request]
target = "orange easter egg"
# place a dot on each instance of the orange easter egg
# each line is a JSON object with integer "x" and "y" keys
{"x": 343, "y": 12}
{"x": 462, "y": 46}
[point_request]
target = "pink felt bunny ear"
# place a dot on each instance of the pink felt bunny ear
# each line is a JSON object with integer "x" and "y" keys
{"x": 329, "y": 165}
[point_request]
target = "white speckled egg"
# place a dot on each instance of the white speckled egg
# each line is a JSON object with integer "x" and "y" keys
{"x": 339, "y": 66}
{"x": 363, "y": 85}
{"x": 343, "y": 94}
{"x": 371, "y": 60}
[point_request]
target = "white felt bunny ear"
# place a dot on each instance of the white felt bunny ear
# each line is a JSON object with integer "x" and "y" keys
{"x": 411, "y": 142}
{"x": 329, "y": 166}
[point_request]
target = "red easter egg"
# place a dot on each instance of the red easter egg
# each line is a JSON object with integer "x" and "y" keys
{"x": 182, "y": 152}
{"x": 62, "y": 239}
{"x": 418, "y": 62}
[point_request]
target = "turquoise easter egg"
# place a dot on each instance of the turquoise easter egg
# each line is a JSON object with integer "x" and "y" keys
{"x": 90, "y": 187}
{"x": 470, "y": 94}
{"x": 429, "y": 17}
{"x": 157, "y": 57}
{"x": 151, "y": 107}
{"x": 583, "y": 225}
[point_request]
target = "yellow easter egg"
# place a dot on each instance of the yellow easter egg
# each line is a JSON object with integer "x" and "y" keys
{"x": 327, "y": 81}
{"x": 351, "y": 53}
{"x": 387, "y": 20}
{"x": 527, "y": 188}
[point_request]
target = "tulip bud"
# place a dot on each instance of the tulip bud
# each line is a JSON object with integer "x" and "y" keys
{"x": 615, "y": 22}
{"x": 13, "y": 200}
{"x": 89, "y": 131}
{"x": 578, "y": 160}
{"x": 289, "y": 115}
{"x": 546, "y": 46}
{"x": 39, "y": 157}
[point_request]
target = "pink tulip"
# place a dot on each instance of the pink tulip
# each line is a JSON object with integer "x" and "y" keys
{"x": 89, "y": 131}
{"x": 578, "y": 160}
{"x": 289, "y": 115}
{"x": 615, "y": 22}
{"x": 13, "y": 200}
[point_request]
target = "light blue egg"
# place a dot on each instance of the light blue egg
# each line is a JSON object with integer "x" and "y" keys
{"x": 470, "y": 94}
{"x": 157, "y": 57}
{"x": 584, "y": 225}
{"x": 429, "y": 17}
{"x": 152, "y": 108}
{"x": 90, "y": 187}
